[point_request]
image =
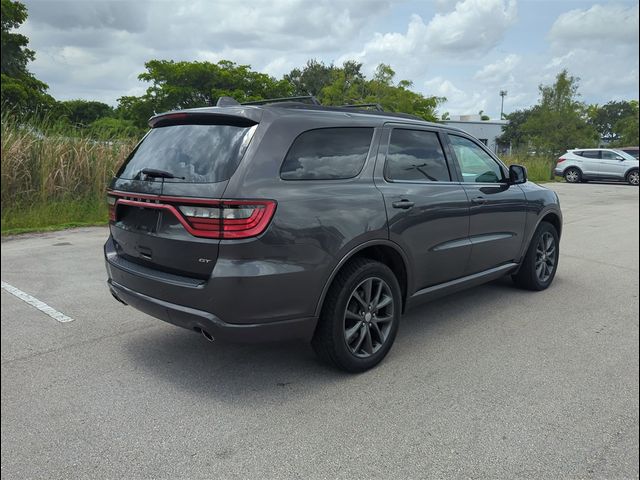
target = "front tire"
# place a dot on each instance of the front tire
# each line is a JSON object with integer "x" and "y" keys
{"x": 633, "y": 178}
{"x": 360, "y": 316}
{"x": 540, "y": 264}
{"x": 573, "y": 175}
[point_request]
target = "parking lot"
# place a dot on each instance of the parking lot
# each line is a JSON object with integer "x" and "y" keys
{"x": 493, "y": 382}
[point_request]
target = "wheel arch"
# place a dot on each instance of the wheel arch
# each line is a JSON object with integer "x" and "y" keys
{"x": 384, "y": 251}
{"x": 554, "y": 219}
{"x": 629, "y": 170}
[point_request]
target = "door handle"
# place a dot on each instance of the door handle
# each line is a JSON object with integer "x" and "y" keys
{"x": 479, "y": 200}
{"x": 404, "y": 204}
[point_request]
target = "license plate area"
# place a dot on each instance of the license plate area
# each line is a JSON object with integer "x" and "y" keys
{"x": 138, "y": 219}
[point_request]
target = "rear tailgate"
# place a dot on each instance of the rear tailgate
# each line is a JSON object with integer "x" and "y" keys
{"x": 197, "y": 155}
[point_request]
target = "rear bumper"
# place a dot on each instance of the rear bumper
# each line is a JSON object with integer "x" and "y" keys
{"x": 558, "y": 172}
{"x": 193, "y": 319}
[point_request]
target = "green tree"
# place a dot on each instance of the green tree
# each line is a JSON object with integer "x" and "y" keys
{"x": 311, "y": 79}
{"x": 83, "y": 112}
{"x": 513, "y": 133}
{"x": 350, "y": 86}
{"x": 626, "y": 128}
{"x": 20, "y": 90}
{"x": 559, "y": 121}
{"x": 178, "y": 85}
{"x": 110, "y": 128}
{"x": 606, "y": 118}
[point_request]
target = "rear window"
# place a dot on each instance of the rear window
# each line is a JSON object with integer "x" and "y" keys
{"x": 327, "y": 154}
{"x": 196, "y": 153}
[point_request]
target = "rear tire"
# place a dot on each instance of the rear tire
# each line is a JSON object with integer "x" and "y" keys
{"x": 540, "y": 264}
{"x": 572, "y": 175}
{"x": 360, "y": 316}
{"x": 633, "y": 178}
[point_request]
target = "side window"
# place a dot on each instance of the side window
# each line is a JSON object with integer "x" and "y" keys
{"x": 475, "y": 164}
{"x": 607, "y": 155}
{"x": 591, "y": 154}
{"x": 327, "y": 154}
{"x": 416, "y": 155}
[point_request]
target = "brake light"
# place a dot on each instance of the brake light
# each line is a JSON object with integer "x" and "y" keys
{"x": 111, "y": 202}
{"x": 232, "y": 219}
{"x": 225, "y": 219}
{"x": 561, "y": 159}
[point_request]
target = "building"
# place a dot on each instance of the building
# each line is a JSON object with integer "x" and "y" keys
{"x": 487, "y": 131}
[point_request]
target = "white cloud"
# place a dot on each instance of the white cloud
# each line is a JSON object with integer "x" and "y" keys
{"x": 473, "y": 26}
{"x": 599, "y": 45}
{"x": 501, "y": 71}
{"x": 598, "y": 27}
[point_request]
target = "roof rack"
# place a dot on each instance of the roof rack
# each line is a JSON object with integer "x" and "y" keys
{"x": 310, "y": 98}
{"x": 375, "y": 106}
{"x": 311, "y": 102}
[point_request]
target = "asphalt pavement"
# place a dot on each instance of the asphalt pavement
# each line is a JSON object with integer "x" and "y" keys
{"x": 493, "y": 382}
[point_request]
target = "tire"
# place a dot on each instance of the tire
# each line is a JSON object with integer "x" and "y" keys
{"x": 633, "y": 178}
{"x": 529, "y": 276}
{"x": 343, "y": 324}
{"x": 573, "y": 175}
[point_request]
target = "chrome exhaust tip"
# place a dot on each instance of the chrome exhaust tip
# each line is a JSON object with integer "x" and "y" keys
{"x": 207, "y": 335}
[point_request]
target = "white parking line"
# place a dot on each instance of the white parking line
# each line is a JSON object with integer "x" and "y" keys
{"x": 34, "y": 302}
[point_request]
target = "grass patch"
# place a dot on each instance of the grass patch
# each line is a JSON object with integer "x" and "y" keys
{"x": 55, "y": 215}
{"x": 53, "y": 179}
{"x": 539, "y": 169}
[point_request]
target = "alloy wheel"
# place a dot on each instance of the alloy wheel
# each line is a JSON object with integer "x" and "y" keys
{"x": 368, "y": 317}
{"x": 572, "y": 176}
{"x": 545, "y": 257}
{"x": 634, "y": 178}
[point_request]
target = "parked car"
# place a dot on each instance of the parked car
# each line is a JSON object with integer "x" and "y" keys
{"x": 633, "y": 151}
{"x": 287, "y": 220}
{"x": 586, "y": 164}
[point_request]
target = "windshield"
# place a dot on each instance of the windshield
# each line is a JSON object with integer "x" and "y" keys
{"x": 190, "y": 153}
{"x": 626, "y": 155}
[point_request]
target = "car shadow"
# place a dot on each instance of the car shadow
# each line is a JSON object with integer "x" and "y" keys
{"x": 244, "y": 374}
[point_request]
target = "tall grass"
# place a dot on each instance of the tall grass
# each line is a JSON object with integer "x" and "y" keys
{"x": 52, "y": 178}
{"x": 539, "y": 168}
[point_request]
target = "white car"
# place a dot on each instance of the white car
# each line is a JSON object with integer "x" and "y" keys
{"x": 584, "y": 164}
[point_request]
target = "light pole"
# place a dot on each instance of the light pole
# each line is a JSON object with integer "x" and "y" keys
{"x": 503, "y": 93}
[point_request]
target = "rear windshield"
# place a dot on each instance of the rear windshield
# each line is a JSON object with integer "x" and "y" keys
{"x": 192, "y": 153}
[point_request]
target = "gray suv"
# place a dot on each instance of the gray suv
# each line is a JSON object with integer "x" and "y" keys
{"x": 296, "y": 221}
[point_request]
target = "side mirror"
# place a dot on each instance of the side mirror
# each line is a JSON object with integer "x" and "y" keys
{"x": 517, "y": 174}
{"x": 618, "y": 157}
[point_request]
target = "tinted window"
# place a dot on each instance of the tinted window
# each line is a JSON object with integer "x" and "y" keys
{"x": 607, "y": 155}
{"x": 476, "y": 165}
{"x": 416, "y": 155}
{"x": 198, "y": 153}
{"x": 327, "y": 154}
{"x": 591, "y": 154}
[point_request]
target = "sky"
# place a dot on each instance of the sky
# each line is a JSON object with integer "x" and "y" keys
{"x": 465, "y": 50}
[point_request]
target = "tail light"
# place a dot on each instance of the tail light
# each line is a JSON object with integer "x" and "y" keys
{"x": 111, "y": 202}
{"x": 561, "y": 159}
{"x": 231, "y": 219}
{"x": 225, "y": 219}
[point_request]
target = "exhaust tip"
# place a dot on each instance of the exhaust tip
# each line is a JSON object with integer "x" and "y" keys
{"x": 205, "y": 334}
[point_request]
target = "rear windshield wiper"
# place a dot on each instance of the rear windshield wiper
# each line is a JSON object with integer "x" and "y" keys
{"x": 153, "y": 173}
